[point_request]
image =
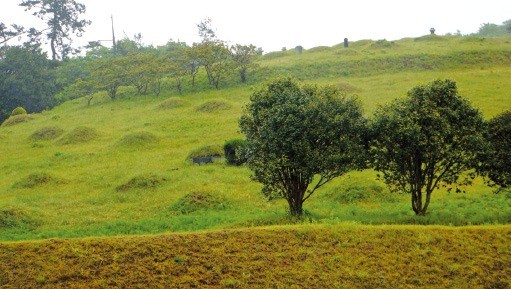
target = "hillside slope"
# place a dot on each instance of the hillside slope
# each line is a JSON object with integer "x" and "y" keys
{"x": 122, "y": 167}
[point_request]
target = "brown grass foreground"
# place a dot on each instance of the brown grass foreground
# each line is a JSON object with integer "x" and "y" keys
{"x": 347, "y": 256}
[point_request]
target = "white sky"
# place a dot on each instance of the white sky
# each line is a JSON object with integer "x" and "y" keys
{"x": 278, "y": 23}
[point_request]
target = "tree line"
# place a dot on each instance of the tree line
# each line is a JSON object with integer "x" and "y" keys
{"x": 300, "y": 137}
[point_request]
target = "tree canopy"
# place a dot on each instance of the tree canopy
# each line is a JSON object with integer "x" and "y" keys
{"x": 299, "y": 137}
{"x": 427, "y": 140}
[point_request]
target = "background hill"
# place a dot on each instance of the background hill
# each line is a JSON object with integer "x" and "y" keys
{"x": 122, "y": 167}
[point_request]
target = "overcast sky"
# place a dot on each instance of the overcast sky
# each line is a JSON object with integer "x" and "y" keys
{"x": 278, "y": 23}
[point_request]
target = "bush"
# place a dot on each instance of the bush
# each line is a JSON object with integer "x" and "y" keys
{"x": 18, "y": 110}
{"x": 197, "y": 201}
{"x": 233, "y": 150}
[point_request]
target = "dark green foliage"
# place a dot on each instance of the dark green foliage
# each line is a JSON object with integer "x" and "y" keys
{"x": 138, "y": 140}
{"x": 207, "y": 151}
{"x": 234, "y": 151}
{"x": 78, "y": 135}
{"x": 20, "y": 118}
{"x": 197, "y": 201}
{"x": 213, "y": 106}
{"x": 427, "y": 140}
{"x": 18, "y": 110}
{"x": 27, "y": 79}
{"x": 36, "y": 179}
{"x": 496, "y": 161}
{"x": 47, "y": 133}
{"x": 142, "y": 182}
{"x": 296, "y": 132}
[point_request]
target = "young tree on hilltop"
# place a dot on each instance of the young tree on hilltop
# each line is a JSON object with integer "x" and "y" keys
{"x": 62, "y": 18}
{"x": 244, "y": 56}
{"x": 427, "y": 140}
{"x": 301, "y": 137}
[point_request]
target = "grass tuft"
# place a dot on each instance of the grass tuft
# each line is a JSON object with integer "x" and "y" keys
{"x": 15, "y": 218}
{"x": 142, "y": 182}
{"x": 198, "y": 201}
{"x": 16, "y": 119}
{"x": 47, "y": 133}
{"x": 79, "y": 135}
{"x": 213, "y": 106}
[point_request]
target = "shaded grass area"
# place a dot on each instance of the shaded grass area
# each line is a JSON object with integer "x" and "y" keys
{"x": 348, "y": 256}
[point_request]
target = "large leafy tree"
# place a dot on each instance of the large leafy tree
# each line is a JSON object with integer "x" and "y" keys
{"x": 427, "y": 140}
{"x": 496, "y": 161}
{"x": 300, "y": 137}
{"x": 62, "y": 18}
{"x": 27, "y": 79}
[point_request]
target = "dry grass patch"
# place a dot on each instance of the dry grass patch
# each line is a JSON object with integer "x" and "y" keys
{"x": 280, "y": 257}
{"x": 142, "y": 182}
{"x": 198, "y": 201}
{"x": 37, "y": 179}
{"x": 171, "y": 103}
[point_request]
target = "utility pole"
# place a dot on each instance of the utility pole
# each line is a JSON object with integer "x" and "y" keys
{"x": 113, "y": 37}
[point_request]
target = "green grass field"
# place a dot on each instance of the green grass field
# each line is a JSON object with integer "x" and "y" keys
{"x": 106, "y": 172}
{"x": 121, "y": 167}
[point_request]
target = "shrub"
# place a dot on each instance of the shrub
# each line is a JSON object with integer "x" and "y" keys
{"x": 47, "y": 133}
{"x": 78, "y": 135}
{"x": 233, "y": 150}
{"x": 207, "y": 151}
{"x": 18, "y": 110}
{"x": 20, "y": 118}
{"x": 197, "y": 201}
{"x": 142, "y": 182}
{"x": 213, "y": 106}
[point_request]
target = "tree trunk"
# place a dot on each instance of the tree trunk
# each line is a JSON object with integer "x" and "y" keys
{"x": 418, "y": 206}
{"x": 295, "y": 207}
{"x": 243, "y": 75}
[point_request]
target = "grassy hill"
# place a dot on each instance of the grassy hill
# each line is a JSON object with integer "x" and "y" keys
{"x": 122, "y": 167}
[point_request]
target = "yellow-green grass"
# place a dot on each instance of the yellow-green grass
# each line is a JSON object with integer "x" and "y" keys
{"x": 350, "y": 256}
{"x": 153, "y": 136}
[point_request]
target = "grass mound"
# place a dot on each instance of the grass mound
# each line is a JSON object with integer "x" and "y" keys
{"x": 138, "y": 140}
{"x": 382, "y": 43}
{"x": 213, "y": 106}
{"x": 207, "y": 151}
{"x": 141, "y": 182}
{"x": 16, "y": 119}
{"x": 81, "y": 134}
{"x": 171, "y": 103}
{"x": 15, "y": 218}
{"x": 37, "y": 179}
{"x": 430, "y": 37}
{"x": 47, "y": 133}
{"x": 358, "y": 192}
{"x": 198, "y": 201}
